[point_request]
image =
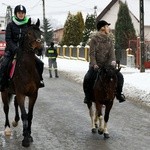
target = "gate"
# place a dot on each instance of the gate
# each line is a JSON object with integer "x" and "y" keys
{"x": 135, "y": 46}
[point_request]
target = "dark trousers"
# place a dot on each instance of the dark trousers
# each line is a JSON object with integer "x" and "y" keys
{"x": 88, "y": 82}
{"x": 52, "y": 63}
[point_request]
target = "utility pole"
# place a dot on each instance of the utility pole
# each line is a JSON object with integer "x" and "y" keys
{"x": 44, "y": 22}
{"x": 142, "y": 52}
{"x": 95, "y": 11}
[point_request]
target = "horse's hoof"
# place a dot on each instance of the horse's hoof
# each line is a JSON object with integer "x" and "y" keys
{"x": 14, "y": 123}
{"x": 26, "y": 142}
{"x": 93, "y": 130}
{"x": 100, "y": 131}
{"x": 106, "y": 135}
{"x": 7, "y": 131}
{"x": 96, "y": 126}
{"x": 30, "y": 138}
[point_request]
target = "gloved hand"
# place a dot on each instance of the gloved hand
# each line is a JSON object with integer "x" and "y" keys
{"x": 113, "y": 63}
{"x": 96, "y": 67}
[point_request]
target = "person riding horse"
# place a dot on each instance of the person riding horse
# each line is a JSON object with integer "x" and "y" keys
{"x": 101, "y": 53}
{"x": 15, "y": 30}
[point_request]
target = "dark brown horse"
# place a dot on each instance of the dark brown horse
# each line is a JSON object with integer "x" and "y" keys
{"x": 25, "y": 83}
{"x": 104, "y": 91}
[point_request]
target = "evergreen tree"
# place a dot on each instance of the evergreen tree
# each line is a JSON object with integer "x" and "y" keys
{"x": 48, "y": 31}
{"x": 73, "y": 29}
{"x": 80, "y": 21}
{"x": 90, "y": 25}
{"x": 124, "y": 30}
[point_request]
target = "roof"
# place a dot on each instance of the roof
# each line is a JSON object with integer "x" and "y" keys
{"x": 107, "y": 8}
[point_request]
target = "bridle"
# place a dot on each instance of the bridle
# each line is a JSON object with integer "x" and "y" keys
{"x": 104, "y": 85}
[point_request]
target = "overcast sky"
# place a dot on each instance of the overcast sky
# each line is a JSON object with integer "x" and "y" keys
{"x": 56, "y": 10}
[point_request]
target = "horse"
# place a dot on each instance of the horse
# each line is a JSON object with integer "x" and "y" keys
{"x": 103, "y": 95}
{"x": 24, "y": 83}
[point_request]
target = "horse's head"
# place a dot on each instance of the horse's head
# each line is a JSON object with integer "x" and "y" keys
{"x": 108, "y": 80}
{"x": 33, "y": 35}
{"x": 109, "y": 72}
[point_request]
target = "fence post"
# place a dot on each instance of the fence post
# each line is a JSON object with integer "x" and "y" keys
{"x": 86, "y": 52}
{"x": 64, "y": 50}
{"x": 78, "y": 47}
{"x": 70, "y": 50}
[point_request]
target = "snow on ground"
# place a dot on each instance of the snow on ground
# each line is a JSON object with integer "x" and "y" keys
{"x": 136, "y": 84}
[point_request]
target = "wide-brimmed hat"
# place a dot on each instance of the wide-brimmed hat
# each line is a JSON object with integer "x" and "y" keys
{"x": 101, "y": 24}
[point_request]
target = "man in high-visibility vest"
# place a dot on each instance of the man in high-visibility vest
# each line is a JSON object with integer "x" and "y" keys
{"x": 52, "y": 54}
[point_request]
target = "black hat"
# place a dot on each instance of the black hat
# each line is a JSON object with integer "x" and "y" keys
{"x": 52, "y": 44}
{"x": 19, "y": 8}
{"x": 101, "y": 24}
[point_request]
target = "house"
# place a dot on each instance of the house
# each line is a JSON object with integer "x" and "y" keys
{"x": 110, "y": 14}
{"x": 58, "y": 34}
{"x": 2, "y": 23}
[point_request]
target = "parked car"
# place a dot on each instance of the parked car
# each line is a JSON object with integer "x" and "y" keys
{"x": 2, "y": 43}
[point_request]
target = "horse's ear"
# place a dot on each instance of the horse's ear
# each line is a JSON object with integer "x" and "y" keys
{"x": 38, "y": 23}
{"x": 29, "y": 21}
{"x": 118, "y": 70}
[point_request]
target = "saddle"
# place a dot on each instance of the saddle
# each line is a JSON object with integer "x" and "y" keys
{"x": 12, "y": 67}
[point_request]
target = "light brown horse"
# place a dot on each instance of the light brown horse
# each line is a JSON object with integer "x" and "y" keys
{"x": 104, "y": 91}
{"x": 25, "y": 83}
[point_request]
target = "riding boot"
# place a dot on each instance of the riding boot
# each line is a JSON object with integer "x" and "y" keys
{"x": 56, "y": 73}
{"x": 119, "y": 95}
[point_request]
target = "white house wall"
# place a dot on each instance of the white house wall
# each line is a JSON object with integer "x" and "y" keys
{"x": 112, "y": 15}
{"x": 147, "y": 33}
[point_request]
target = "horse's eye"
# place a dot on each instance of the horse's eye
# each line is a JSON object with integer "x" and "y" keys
{"x": 29, "y": 33}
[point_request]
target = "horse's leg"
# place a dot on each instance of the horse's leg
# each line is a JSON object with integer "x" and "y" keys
{"x": 96, "y": 119}
{"x": 17, "y": 118}
{"x": 24, "y": 117}
{"x": 106, "y": 118}
{"x": 100, "y": 116}
{"x": 92, "y": 112}
{"x": 6, "y": 101}
{"x": 32, "y": 101}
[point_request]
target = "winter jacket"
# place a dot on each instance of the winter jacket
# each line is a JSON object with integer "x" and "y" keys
{"x": 13, "y": 33}
{"x": 51, "y": 53}
{"x": 101, "y": 50}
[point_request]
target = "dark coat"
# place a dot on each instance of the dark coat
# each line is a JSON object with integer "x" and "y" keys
{"x": 51, "y": 53}
{"x": 101, "y": 50}
{"x": 13, "y": 34}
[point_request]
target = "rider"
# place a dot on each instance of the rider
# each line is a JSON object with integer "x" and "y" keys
{"x": 101, "y": 53}
{"x": 15, "y": 30}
